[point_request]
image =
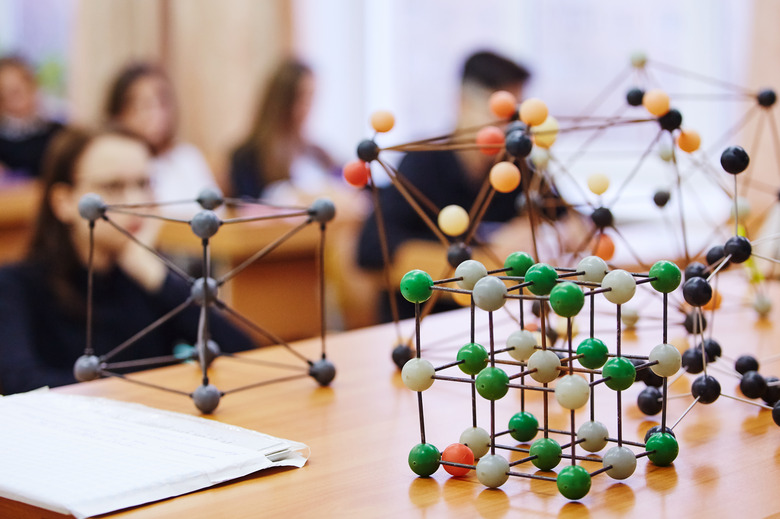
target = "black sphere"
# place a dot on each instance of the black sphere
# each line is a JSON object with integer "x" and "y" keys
{"x": 457, "y": 253}
{"x": 706, "y": 388}
{"x": 656, "y": 429}
{"x": 401, "y": 354}
{"x": 323, "y": 371}
{"x": 713, "y": 349}
{"x": 746, "y": 363}
{"x": 602, "y": 217}
{"x": 646, "y": 375}
{"x": 536, "y": 310}
{"x": 752, "y": 385}
{"x": 739, "y": 247}
{"x": 367, "y": 150}
{"x": 734, "y": 160}
{"x": 697, "y": 292}
{"x": 695, "y": 270}
{"x": 692, "y": 361}
{"x": 671, "y": 120}
{"x": 767, "y": 97}
{"x": 716, "y": 254}
{"x": 776, "y": 413}
{"x": 772, "y": 394}
{"x": 650, "y": 401}
{"x": 518, "y": 144}
{"x": 515, "y": 126}
{"x": 691, "y": 323}
{"x": 661, "y": 197}
{"x": 635, "y": 96}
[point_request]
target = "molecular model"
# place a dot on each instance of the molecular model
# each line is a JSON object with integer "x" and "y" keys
{"x": 204, "y": 291}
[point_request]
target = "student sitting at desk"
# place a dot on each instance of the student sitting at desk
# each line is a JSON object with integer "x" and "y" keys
{"x": 43, "y": 299}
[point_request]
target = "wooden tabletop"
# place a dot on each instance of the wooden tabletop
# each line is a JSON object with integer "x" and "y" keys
{"x": 361, "y": 428}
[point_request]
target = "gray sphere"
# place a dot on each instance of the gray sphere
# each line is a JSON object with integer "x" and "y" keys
{"x": 322, "y": 210}
{"x": 92, "y": 207}
{"x": 323, "y": 371}
{"x": 87, "y": 367}
{"x": 205, "y": 224}
{"x": 203, "y": 287}
{"x": 210, "y": 198}
{"x": 206, "y": 398}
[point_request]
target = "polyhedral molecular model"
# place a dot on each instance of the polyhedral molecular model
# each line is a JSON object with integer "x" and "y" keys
{"x": 204, "y": 291}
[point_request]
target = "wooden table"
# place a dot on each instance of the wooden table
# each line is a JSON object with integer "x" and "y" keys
{"x": 18, "y": 206}
{"x": 361, "y": 429}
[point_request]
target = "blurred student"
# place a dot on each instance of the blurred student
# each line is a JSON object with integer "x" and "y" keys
{"x": 24, "y": 132}
{"x": 43, "y": 299}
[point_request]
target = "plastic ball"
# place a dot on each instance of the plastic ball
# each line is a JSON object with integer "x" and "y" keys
{"x": 689, "y": 140}
{"x": 766, "y": 97}
{"x": 671, "y": 120}
{"x": 492, "y": 470}
{"x": 762, "y": 305}
{"x": 629, "y": 317}
{"x": 417, "y": 374}
{"x": 540, "y": 157}
{"x": 489, "y": 294}
{"x": 322, "y": 210}
{"x": 661, "y": 197}
{"x": 477, "y": 439}
{"x": 491, "y": 383}
{"x": 205, "y": 224}
{"x": 323, "y": 371}
{"x": 692, "y": 361}
{"x": 752, "y": 385}
{"x": 657, "y": 429}
{"x": 382, "y": 121}
{"x": 542, "y": 277}
{"x": 706, "y": 388}
{"x": 712, "y": 349}
{"x": 695, "y": 270}
{"x": 669, "y": 360}
{"x": 504, "y": 177}
{"x": 471, "y": 271}
{"x": 594, "y": 434}
{"x": 716, "y": 254}
{"x": 604, "y": 247}
{"x": 548, "y": 453}
{"x": 602, "y": 218}
{"x": 453, "y": 220}
{"x": 572, "y": 391}
{"x": 595, "y": 353}
{"x": 697, "y": 291}
{"x": 357, "y": 173}
{"x": 646, "y": 375}
{"x": 594, "y": 269}
{"x": 490, "y": 140}
{"x": 206, "y": 398}
{"x": 649, "y": 401}
{"x": 457, "y": 453}
{"x": 772, "y": 394}
{"x": 401, "y": 355}
{"x": 573, "y": 482}
{"x": 503, "y": 104}
{"x": 523, "y": 426}
{"x": 474, "y": 357}
{"x": 367, "y": 150}
{"x": 87, "y": 367}
{"x": 457, "y": 253}
{"x": 210, "y": 198}
{"x": 546, "y": 364}
{"x": 665, "y": 152}
{"x": 522, "y": 343}
{"x": 518, "y": 264}
{"x": 734, "y": 160}
{"x": 638, "y": 59}
{"x": 634, "y": 96}
{"x": 695, "y": 322}
{"x": 622, "y": 460}
{"x": 92, "y": 207}
{"x": 656, "y": 102}
{"x": 424, "y": 459}
{"x": 417, "y": 286}
{"x": 663, "y": 449}
{"x": 533, "y": 111}
{"x": 746, "y": 363}
{"x": 204, "y": 290}
{"x": 598, "y": 183}
{"x": 739, "y": 248}
{"x": 567, "y": 299}
{"x": 518, "y": 144}
{"x": 621, "y": 373}
{"x": 622, "y": 285}
{"x": 545, "y": 134}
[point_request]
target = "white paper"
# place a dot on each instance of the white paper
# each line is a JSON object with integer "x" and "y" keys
{"x": 88, "y": 456}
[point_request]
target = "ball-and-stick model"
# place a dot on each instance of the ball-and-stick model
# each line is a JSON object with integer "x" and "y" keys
{"x": 204, "y": 291}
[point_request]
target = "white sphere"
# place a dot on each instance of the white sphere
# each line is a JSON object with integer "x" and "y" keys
{"x": 471, "y": 271}
{"x": 540, "y": 157}
{"x": 417, "y": 374}
{"x": 572, "y": 391}
{"x": 477, "y": 439}
{"x": 638, "y": 59}
{"x": 666, "y": 152}
{"x": 489, "y": 294}
{"x": 546, "y": 364}
{"x": 594, "y": 269}
{"x": 623, "y": 462}
{"x": 629, "y": 316}
{"x": 492, "y": 470}
{"x": 623, "y": 286}
{"x": 594, "y": 434}
{"x": 762, "y": 305}
{"x": 524, "y": 344}
{"x": 669, "y": 360}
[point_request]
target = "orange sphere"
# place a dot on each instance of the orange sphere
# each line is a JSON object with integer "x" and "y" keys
{"x": 715, "y": 302}
{"x": 689, "y": 140}
{"x": 457, "y": 453}
{"x": 504, "y": 177}
{"x": 490, "y": 139}
{"x": 382, "y": 121}
{"x": 357, "y": 173}
{"x": 503, "y": 104}
{"x": 604, "y": 247}
{"x": 656, "y": 101}
{"x": 533, "y": 111}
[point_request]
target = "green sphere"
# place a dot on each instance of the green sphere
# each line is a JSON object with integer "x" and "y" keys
{"x": 621, "y": 373}
{"x": 416, "y": 286}
{"x": 523, "y": 426}
{"x": 595, "y": 353}
{"x": 547, "y": 452}
{"x": 424, "y": 459}
{"x": 543, "y": 277}
{"x": 668, "y": 274}
{"x": 492, "y": 383}
{"x": 567, "y": 299}
{"x": 573, "y": 482}
{"x": 665, "y": 447}
{"x": 518, "y": 263}
{"x": 474, "y": 357}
